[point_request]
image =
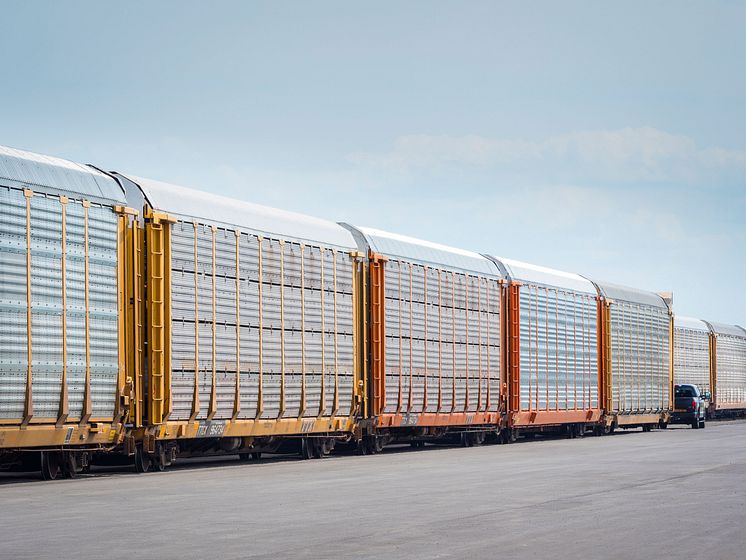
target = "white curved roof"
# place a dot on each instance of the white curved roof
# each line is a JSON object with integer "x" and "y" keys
{"x": 395, "y": 245}
{"x": 535, "y": 274}
{"x": 633, "y": 295}
{"x": 192, "y": 204}
{"x": 732, "y": 330}
{"x": 23, "y": 169}
{"x": 690, "y": 323}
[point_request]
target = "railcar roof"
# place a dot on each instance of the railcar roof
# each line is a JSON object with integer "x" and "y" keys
{"x": 38, "y": 172}
{"x": 532, "y": 273}
{"x": 690, "y": 323}
{"x": 401, "y": 246}
{"x": 615, "y": 292}
{"x": 192, "y": 204}
{"x": 732, "y": 330}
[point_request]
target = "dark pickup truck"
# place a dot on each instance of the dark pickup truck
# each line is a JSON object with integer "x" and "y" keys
{"x": 689, "y": 407}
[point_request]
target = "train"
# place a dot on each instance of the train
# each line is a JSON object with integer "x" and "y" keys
{"x": 150, "y": 321}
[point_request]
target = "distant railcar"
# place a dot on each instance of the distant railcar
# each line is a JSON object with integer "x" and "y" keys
{"x": 553, "y": 374}
{"x": 692, "y": 364}
{"x": 728, "y": 377}
{"x": 435, "y": 357}
{"x": 637, "y": 360}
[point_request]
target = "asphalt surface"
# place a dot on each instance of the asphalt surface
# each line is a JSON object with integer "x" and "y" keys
{"x": 677, "y": 493}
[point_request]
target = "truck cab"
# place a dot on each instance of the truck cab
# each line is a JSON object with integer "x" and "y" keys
{"x": 689, "y": 406}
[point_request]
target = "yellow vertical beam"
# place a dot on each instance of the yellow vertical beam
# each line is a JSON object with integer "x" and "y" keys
{"x": 302, "y": 407}
{"x": 260, "y": 392}
{"x": 87, "y": 402}
{"x": 195, "y": 393}
{"x": 158, "y": 320}
{"x": 670, "y": 362}
{"x": 712, "y": 340}
{"x": 166, "y": 222}
{"x": 64, "y": 407}
{"x": 134, "y": 327}
{"x": 213, "y": 407}
{"x": 28, "y": 405}
{"x": 336, "y": 341}
{"x": 237, "y": 387}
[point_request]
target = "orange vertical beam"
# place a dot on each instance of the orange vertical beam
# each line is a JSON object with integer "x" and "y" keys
{"x": 424, "y": 393}
{"x": 302, "y": 407}
{"x": 440, "y": 343}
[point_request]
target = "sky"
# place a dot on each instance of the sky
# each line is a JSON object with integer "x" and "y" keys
{"x": 604, "y": 139}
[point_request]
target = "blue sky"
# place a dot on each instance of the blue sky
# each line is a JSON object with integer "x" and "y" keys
{"x": 598, "y": 138}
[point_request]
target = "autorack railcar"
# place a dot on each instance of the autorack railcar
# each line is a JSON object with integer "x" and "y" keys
{"x": 63, "y": 390}
{"x": 153, "y": 320}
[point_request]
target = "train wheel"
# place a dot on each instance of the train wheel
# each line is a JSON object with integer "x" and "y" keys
{"x": 142, "y": 460}
{"x": 69, "y": 465}
{"x": 306, "y": 448}
{"x": 50, "y": 465}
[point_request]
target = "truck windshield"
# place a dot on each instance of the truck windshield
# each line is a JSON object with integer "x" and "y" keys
{"x": 685, "y": 392}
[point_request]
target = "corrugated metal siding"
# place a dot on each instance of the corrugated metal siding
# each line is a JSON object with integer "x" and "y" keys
{"x": 442, "y": 331}
{"x": 47, "y": 307}
{"x": 559, "y": 349}
{"x": 731, "y": 371}
{"x": 639, "y": 357}
{"x": 691, "y": 357}
{"x": 304, "y": 318}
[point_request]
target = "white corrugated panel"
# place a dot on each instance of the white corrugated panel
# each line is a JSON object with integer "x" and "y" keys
{"x": 544, "y": 276}
{"x": 730, "y": 360}
{"x": 47, "y": 306}
{"x": 442, "y": 326}
{"x": 691, "y": 352}
{"x": 220, "y": 210}
{"x": 442, "y": 337}
{"x": 19, "y": 168}
{"x": 286, "y": 313}
{"x": 559, "y": 349}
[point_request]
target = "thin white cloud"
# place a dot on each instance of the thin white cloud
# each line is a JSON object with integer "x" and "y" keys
{"x": 627, "y": 154}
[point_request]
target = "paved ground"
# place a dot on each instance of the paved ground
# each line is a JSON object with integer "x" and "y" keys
{"x": 678, "y": 493}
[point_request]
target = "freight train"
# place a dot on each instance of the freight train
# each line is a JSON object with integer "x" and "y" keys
{"x": 151, "y": 321}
